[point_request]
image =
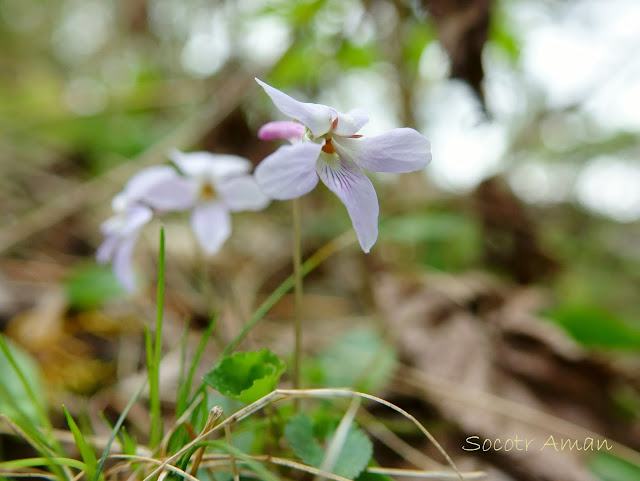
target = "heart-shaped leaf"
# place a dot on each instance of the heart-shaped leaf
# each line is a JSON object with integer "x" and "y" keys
{"x": 246, "y": 376}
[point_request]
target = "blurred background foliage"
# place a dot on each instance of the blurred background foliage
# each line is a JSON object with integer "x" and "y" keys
{"x": 88, "y": 85}
{"x": 531, "y": 107}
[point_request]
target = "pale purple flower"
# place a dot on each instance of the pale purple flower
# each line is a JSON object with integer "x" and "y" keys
{"x": 121, "y": 232}
{"x": 160, "y": 188}
{"x": 210, "y": 185}
{"x": 329, "y": 148}
{"x": 220, "y": 184}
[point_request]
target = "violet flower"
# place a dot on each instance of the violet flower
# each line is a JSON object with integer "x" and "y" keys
{"x": 121, "y": 233}
{"x": 326, "y": 145}
{"x": 220, "y": 184}
{"x": 210, "y": 185}
{"x": 160, "y": 188}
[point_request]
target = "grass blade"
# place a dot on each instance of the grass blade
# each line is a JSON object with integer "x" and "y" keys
{"x": 88, "y": 456}
{"x": 196, "y": 359}
{"x": 34, "y": 462}
{"x": 27, "y": 386}
{"x": 310, "y": 264}
{"x": 153, "y": 356}
{"x": 114, "y": 431}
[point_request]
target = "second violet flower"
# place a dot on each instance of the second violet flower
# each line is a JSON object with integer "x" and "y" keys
{"x": 325, "y": 144}
{"x": 211, "y": 186}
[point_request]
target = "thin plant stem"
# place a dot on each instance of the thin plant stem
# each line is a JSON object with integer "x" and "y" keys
{"x": 339, "y": 438}
{"x": 207, "y": 289}
{"x": 297, "y": 274}
{"x": 154, "y": 352}
{"x": 280, "y": 394}
{"x": 232, "y": 458}
{"x": 322, "y": 254}
{"x": 214, "y": 415}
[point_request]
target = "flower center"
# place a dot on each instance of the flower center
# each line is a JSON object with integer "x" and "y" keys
{"x": 207, "y": 192}
{"x": 328, "y": 147}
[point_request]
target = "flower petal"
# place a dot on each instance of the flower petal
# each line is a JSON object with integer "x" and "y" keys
{"x": 316, "y": 117}
{"x": 289, "y": 172}
{"x": 172, "y": 194}
{"x": 397, "y": 151}
{"x": 211, "y": 224}
{"x": 122, "y": 267}
{"x": 354, "y": 189}
{"x": 282, "y": 130}
{"x": 206, "y": 164}
{"x": 121, "y": 233}
{"x": 160, "y": 187}
{"x": 136, "y": 217}
{"x": 107, "y": 249}
{"x": 146, "y": 178}
{"x": 242, "y": 193}
{"x": 349, "y": 123}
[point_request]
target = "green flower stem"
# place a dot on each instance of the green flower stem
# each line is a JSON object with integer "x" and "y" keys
{"x": 297, "y": 274}
{"x": 310, "y": 264}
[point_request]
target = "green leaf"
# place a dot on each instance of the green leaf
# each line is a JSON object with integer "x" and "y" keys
{"x": 15, "y": 400}
{"x": 90, "y": 286}
{"x": 361, "y": 359}
{"x": 299, "y": 433}
{"x": 88, "y": 456}
{"x": 246, "y": 376}
{"x": 260, "y": 470}
{"x": 353, "y": 459}
{"x": 355, "y": 454}
{"x": 611, "y": 468}
{"x": 596, "y": 327}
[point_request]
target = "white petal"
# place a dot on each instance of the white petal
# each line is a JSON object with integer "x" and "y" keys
{"x": 146, "y": 178}
{"x": 242, "y": 193}
{"x": 206, "y": 164}
{"x": 107, "y": 249}
{"x": 136, "y": 217}
{"x": 211, "y": 224}
{"x": 121, "y": 202}
{"x": 122, "y": 267}
{"x": 354, "y": 189}
{"x": 397, "y": 151}
{"x": 289, "y": 172}
{"x": 160, "y": 187}
{"x": 349, "y": 123}
{"x": 316, "y": 117}
{"x": 113, "y": 225}
{"x": 125, "y": 223}
{"x": 121, "y": 233}
{"x": 172, "y": 194}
